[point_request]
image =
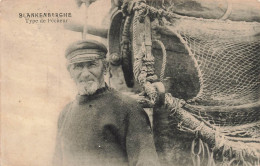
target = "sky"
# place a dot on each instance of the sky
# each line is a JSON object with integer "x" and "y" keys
{"x": 35, "y": 84}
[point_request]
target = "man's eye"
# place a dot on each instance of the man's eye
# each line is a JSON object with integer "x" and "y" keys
{"x": 92, "y": 64}
{"x": 78, "y": 66}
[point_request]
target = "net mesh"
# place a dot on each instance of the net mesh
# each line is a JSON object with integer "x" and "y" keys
{"x": 226, "y": 55}
{"x": 225, "y": 112}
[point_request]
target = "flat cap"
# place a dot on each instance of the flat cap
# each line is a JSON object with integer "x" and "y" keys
{"x": 85, "y": 50}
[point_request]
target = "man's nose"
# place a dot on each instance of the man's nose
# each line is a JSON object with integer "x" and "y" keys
{"x": 85, "y": 72}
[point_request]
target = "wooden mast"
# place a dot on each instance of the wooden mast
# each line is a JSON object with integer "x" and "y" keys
{"x": 85, "y": 27}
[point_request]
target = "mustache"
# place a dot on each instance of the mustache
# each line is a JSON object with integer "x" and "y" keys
{"x": 81, "y": 79}
{"x": 86, "y": 81}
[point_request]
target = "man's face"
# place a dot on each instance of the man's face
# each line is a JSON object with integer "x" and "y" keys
{"x": 88, "y": 76}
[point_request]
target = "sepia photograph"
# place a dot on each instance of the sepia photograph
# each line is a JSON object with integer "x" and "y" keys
{"x": 130, "y": 82}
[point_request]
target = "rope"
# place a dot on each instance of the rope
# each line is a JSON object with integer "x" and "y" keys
{"x": 195, "y": 64}
{"x": 143, "y": 71}
{"x": 228, "y": 11}
{"x": 138, "y": 63}
{"x": 230, "y": 145}
{"x": 170, "y": 16}
{"x": 196, "y": 156}
{"x": 135, "y": 49}
{"x": 164, "y": 59}
{"x": 211, "y": 161}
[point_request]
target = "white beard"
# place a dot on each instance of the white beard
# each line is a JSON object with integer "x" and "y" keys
{"x": 87, "y": 88}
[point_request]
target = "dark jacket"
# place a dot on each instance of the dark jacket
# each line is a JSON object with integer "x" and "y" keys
{"x": 106, "y": 128}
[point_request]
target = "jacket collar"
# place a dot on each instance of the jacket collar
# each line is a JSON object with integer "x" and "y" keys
{"x": 81, "y": 99}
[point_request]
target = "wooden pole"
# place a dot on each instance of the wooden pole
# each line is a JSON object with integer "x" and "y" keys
{"x": 85, "y": 27}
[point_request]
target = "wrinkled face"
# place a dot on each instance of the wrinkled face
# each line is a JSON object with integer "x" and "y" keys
{"x": 88, "y": 76}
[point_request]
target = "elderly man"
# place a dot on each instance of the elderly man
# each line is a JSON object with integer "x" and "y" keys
{"x": 101, "y": 126}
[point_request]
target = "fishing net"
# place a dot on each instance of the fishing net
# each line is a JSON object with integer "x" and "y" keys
{"x": 226, "y": 55}
{"x": 224, "y": 116}
{"x": 227, "y": 58}
{"x": 225, "y": 112}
